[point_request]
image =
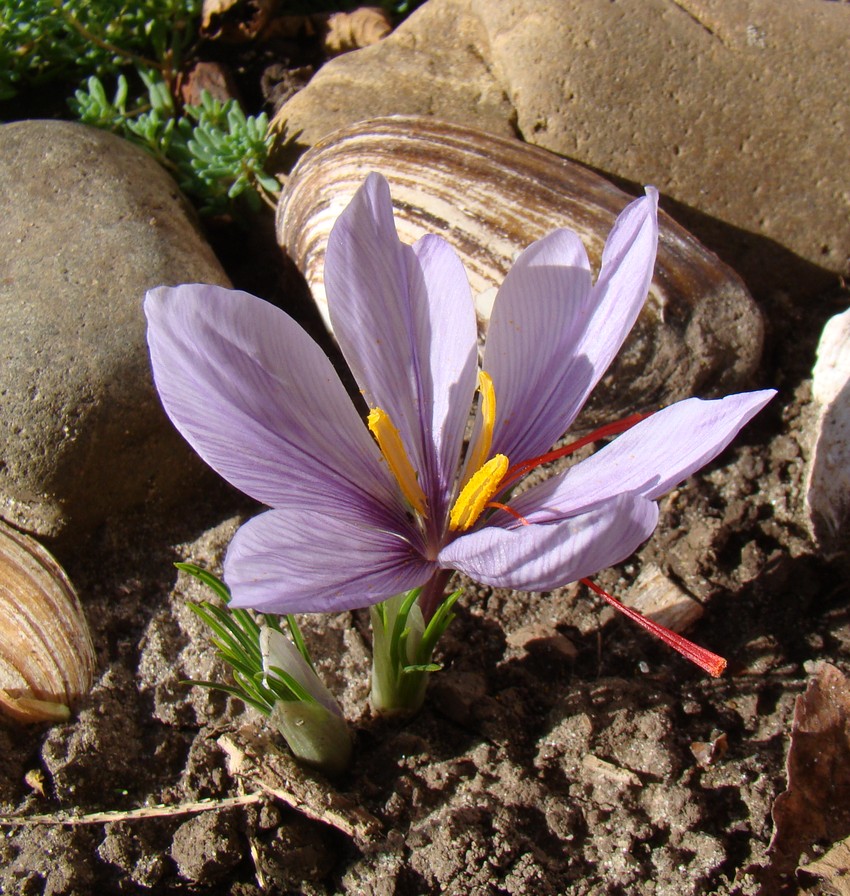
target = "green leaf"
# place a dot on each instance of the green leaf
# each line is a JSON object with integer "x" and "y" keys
{"x": 237, "y": 692}
{"x": 298, "y": 639}
{"x": 402, "y": 647}
{"x": 207, "y": 578}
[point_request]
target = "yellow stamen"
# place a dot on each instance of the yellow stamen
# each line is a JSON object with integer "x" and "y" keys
{"x": 475, "y": 495}
{"x": 389, "y": 441}
{"x": 479, "y": 449}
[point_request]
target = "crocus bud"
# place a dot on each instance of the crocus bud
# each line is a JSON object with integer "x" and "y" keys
{"x": 314, "y": 727}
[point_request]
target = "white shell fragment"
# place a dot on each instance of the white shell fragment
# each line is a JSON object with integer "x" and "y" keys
{"x": 46, "y": 655}
{"x": 828, "y": 481}
{"x": 490, "y": 197}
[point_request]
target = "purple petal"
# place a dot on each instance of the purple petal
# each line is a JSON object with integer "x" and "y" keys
{"x": 560, "y": 339}
{"x": 542, "y": 557}
{"x": 258, "y": 400}
{"x": 541, "y": 310}
{"x": 405, "y": 321}
{"x": 303, "y": 561}
{"x": 650, "y": 458}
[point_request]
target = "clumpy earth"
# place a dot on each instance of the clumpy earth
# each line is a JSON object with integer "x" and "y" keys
{"x": 560, "y": 749}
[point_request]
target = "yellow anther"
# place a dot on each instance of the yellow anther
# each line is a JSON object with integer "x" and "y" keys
{"x": 479, "y": 449}
{"x": 475, "y": 495}
{"x": 389, "y": 441}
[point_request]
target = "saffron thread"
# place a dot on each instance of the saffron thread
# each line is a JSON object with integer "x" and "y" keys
{"x": 705, "y": 659}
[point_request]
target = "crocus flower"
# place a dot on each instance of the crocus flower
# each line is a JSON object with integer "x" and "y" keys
{"x": 362, "y": 512}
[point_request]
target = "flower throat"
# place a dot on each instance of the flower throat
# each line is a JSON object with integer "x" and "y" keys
{"x": 483, "y": 476}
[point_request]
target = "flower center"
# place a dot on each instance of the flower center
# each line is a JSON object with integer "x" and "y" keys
{"x": 483, "y": 476}
{"x": 392, "y": 448}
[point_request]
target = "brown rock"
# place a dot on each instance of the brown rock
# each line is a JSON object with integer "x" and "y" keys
{"x": 435, "y": 63}
{"x": 735, "y": 111}
{"x": 664, "y": 601}
{"x": 352, "y": 30}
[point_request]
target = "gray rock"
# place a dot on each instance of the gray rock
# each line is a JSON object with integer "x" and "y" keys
{"x": 88, "y": 223}
{"x": 736, "y": 111}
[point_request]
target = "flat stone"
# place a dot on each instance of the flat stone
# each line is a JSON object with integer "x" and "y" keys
{"x": 735, "y": 111}
{"x": 435, "y": 63}
{"x": 660, "y": 598}
{"x": 88, "y": 223}
{"x": 542, "y": 638}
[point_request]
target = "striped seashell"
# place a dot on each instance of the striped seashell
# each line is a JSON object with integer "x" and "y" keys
{"x": 46, "y": 655}
{"x": 489, "y": 197}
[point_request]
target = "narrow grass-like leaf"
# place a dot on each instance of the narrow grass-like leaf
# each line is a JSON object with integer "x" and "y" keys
{"x": 298, "y": 690}
{"x": 237, "y": 692}
{"x": 436, "y": 628}
{"x": 208, "y": 579}
{"x": 298, "y": 640}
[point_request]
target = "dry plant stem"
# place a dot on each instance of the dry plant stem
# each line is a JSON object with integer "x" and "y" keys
{"x": 114, "y": 815}
{"x": 257, "y": 761}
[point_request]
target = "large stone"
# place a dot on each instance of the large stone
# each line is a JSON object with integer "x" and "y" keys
{"x": 88, "y": 223}
{"x": 435, "y": 63}
{"x": 736, "y": 111}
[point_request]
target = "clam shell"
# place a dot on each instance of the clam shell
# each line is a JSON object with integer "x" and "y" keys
{"x": 46, "y": 655}
{"x": 490, "y": 197}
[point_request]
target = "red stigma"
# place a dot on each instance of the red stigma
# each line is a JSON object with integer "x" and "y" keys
{"x": 514, "y": 513}
{"x": 517, "y": 471}
{"x": 705, "y": 659}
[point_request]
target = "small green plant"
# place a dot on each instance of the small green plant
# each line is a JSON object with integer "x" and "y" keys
{"x": 402, "y": 650}
{"x": 236, "y": 636}
{"x": 215, "y": 151}
{"x": 276, "y": 676}
{"x": 54, "y": 40}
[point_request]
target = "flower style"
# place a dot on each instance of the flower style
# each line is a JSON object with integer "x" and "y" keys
{"x": 358, "y": 516}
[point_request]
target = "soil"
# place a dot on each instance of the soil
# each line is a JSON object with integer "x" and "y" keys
{"x": 560, "y": 750}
